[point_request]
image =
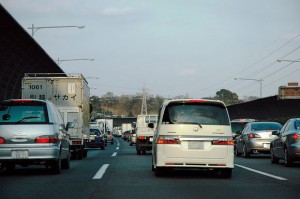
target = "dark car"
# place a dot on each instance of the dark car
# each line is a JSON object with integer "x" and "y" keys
{"x": 237, "y": 126}
{"x": 96, "y": 139}
{"x": 126, "y": 135}
{"x": 286, "y": 145}
{"x": 256, "y": 138}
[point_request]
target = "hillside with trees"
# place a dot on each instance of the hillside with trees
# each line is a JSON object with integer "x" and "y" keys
{"x": 130, "y": 106}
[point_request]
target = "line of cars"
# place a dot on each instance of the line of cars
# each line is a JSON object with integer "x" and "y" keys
{"x": 282, "y": 142}
{"x": 130, "y": 136}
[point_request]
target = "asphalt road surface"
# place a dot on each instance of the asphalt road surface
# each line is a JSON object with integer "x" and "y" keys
{"x": 118, "y": 172}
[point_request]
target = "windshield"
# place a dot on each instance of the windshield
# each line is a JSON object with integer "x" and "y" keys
{"x": 26, "y": 114}
{"x": 237, "y": 126}
{"x": 195, "y": 113}
{"x": 94, "y": 132}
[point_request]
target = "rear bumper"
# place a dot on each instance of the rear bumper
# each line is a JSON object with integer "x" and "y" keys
{"x": 34, "y": 155}
{"x": 294, "y": 151}
{"x": 262, "y": 146}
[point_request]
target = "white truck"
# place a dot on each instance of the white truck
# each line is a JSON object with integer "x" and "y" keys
{"x": 70, "y": 93}
{"x": 144, "y": 134}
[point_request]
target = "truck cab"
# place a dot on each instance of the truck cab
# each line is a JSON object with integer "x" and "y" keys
{"x": 144, "y": 134}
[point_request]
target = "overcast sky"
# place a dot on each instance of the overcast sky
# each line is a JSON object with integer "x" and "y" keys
{"x": 171, "y": 47}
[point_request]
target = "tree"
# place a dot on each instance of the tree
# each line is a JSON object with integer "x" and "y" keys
{"x": 227, "y": 97}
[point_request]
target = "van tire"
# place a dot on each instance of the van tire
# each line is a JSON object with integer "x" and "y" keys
{"x": 160, "y": 171}
{"x": 225, "y": 173}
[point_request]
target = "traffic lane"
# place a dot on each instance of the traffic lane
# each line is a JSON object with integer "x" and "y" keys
{"x": 130, "y": 176}
{"x": 37, "y": 182}
{"x": 262, "y": 162}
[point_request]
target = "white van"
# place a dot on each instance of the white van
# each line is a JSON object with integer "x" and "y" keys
{"x": 193, "y": 133}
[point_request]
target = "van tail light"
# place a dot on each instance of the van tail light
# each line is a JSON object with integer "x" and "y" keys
{"x": 2, "y": 140}
{"x": 163, "y": 140}
{"x": 253, "y": 135}
{"x": 223, "y": 142}
{"x": 46, "y": 139}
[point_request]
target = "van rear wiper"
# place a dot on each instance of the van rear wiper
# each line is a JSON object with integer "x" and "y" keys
{"x": 189, "y": 123}
{"x": 26, "y": 118}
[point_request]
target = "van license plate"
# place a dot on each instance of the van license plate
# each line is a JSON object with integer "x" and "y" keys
{"x": 151, "y": 139}
{"x": 266, "y": 145}
{"x": 19, "y": 154}
{"x": 196, "y": 145}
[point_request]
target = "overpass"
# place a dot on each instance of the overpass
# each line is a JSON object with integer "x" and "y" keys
{"x": 19, "y": 54}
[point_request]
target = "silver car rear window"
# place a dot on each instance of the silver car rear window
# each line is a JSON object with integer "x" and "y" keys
{"x": 25, "y": 114}
{"x": 195, "y": 113}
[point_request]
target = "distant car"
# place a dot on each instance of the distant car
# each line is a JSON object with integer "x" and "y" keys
{"x": 97, "y": 139}
{"x": 237, "y": 126}
{"x": 132, "y": 137}
{"x": 109, "y": 137}
{"x": 32, "y": 132}
{"x": 256, "y": 138}
{"x": 286, "y": 145}
{"x": 125, "y": 135}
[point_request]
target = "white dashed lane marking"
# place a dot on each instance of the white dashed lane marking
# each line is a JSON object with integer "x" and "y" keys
{"x": 260, "y": 172}
{"x": 101, "y": 172}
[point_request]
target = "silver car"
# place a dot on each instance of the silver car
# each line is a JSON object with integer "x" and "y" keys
{"x": 256, "y": 138}
{"x": 32, "y": 132}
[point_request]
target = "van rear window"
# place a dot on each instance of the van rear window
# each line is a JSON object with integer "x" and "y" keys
{"x": 203, "y": 114}
{"x": 25, "y": 114}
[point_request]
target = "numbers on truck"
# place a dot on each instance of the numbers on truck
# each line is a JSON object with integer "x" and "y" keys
{"x": 35, "y": 87}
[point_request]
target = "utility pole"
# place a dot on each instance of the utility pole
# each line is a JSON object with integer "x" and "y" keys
{"x": 144, "y": 102}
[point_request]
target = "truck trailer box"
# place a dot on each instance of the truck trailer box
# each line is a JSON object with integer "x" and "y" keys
{"x": 70, "y": 93}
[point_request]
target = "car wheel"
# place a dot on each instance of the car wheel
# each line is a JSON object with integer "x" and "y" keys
{"x": 56, "y": 166}
{"x": 287, "y": 159}
{"x": 225, "y": 173}
{"x": 274, "y": 159}
{"x": 138, "y": 152}
{"x": 246, "y": 154}
{"x": 237, "y": 153}
{"x": 66, "y": 162}
{"x": 144, "y": 152}
{"x": 102, "y": 147}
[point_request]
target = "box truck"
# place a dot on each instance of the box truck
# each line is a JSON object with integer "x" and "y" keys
{"x": 70, "y": 93}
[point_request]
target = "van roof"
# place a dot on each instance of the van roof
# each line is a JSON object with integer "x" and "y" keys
{"x": 193, "y": 101}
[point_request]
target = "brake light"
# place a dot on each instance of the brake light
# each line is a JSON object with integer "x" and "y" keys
{"x": 295, "y": 136}
{"x": 162, "y": 140}
{"x": 76, "y": 142}
{"x": 252, "y": 135}
{"x": 142, "y": 137}
{"x": 223, "y": 142}
{"x": 46, "y": 139}
{"x": 2, "y": 140}
{"x": 198, "y": 101}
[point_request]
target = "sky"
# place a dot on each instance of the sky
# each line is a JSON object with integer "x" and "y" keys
{"x": 171, "y": 48}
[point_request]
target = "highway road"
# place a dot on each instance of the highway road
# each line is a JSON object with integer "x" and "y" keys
{"x": 117, "y": 172}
